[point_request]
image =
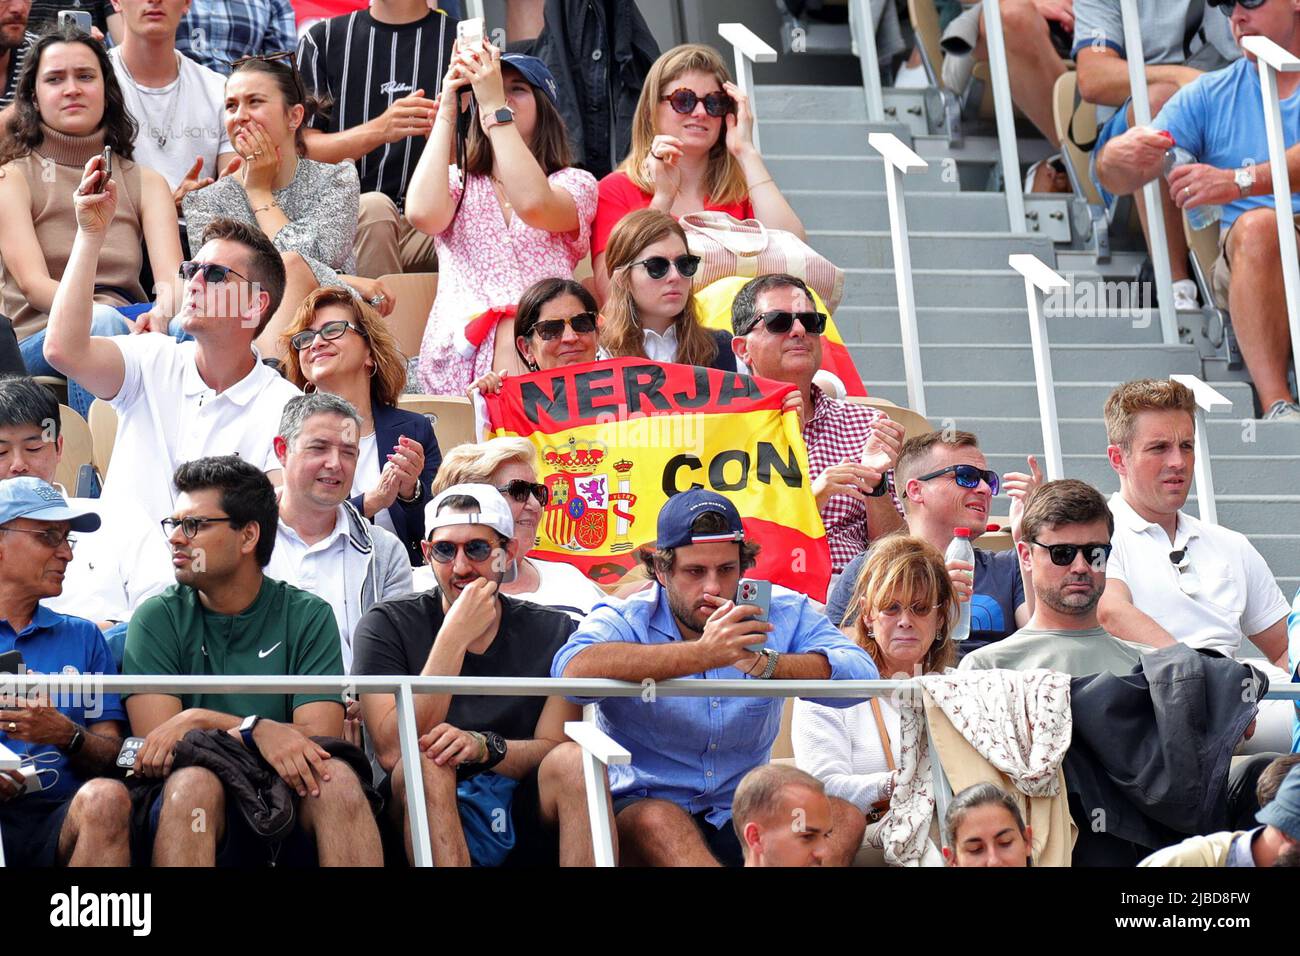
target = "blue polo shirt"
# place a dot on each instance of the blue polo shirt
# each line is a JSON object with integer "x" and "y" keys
{"x": 55, "y": 643}
{"x": 695, "y": 750}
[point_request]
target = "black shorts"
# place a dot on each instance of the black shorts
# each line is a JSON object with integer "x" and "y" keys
{"x": 31, "y": 825}
{"x": 721, "y": 841}
{"x": 240, "y": 845}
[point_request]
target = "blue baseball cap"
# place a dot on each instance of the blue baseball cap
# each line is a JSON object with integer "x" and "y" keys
{"x": 40, "y": 501}
{"x": 1284, "y": 811}
{"x": 535, "y": 72}
{"x": 677, "y": 516}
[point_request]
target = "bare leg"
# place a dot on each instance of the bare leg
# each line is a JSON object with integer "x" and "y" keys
{"x": 848, "y": 823}
{"x": 193, "y": 819}
{"x": 298, "y": 281}
{"x": 1032, "y": 63}
{"x": 445, "y": 834}
{"x": 1257, "y": 301}
{"x": 660, "y": 833}
{"x": 562, "y": 788}
{"x": 97, "y": 829}
{"x": 341, "y": 821}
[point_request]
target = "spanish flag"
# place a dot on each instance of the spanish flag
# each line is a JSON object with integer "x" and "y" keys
{"x": 616, "y": 438}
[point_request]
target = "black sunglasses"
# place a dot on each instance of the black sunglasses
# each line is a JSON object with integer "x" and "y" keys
{"x": 716, "y": 103}
{"x": 329, "y": 332}
{"x": 779, "y": 323}
{"x": 1063, "y": 555}
{"x": 444, "y": 552}
{"x": 656, "y": 267}
{"x": 1229, "y": 5}
{"x": 189, "y": 526}
{"x": 968, "y": 476}
{"x": 584, "y": 323}
{"x": 520, "y": 490}
{"x": 211, "y": 271}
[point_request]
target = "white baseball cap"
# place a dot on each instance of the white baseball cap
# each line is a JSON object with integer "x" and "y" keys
{"x": 493, "y": 512}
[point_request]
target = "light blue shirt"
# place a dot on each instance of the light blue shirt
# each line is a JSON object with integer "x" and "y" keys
{"x": 1293, "y": 661}
{"x": 694, "y": 751}
{"x": 1219, "y": 119}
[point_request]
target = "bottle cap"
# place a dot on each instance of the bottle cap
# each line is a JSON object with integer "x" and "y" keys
{"x": 961, "y": 532}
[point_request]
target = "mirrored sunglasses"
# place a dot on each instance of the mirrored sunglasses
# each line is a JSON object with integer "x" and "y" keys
{"x": 716, "y": 103}
{"x": 968, "y": 476}
{"x": 444, "y": 552}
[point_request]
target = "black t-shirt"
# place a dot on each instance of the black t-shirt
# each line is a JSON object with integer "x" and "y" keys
{"x": 362, "y": 66}
{"x": 395, "y": 637}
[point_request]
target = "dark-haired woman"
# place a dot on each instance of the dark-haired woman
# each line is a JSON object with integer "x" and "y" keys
{"x": 67, "y": 107}
{"x": 984, "y": 827}
{"x": 307, "y": 209}
{"x": 516, "y": 214}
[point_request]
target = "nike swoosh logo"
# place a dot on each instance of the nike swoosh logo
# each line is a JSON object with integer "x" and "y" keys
{"x": 269, "y": 651}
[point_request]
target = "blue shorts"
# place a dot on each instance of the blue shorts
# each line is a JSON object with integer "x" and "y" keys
{"x": 1113, "y": 127}
{"x": 721, "y": 841}
{"x": 30, "y": 826}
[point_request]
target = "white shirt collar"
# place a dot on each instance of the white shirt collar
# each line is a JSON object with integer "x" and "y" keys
{"x": 324, "y": 544}
{"x": 1125, "y": 516}
{"x": 241, "y": 393}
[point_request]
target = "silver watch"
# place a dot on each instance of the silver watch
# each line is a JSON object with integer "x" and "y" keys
{"x": 1244, "y": 178}
{"x": 772, "y": 657}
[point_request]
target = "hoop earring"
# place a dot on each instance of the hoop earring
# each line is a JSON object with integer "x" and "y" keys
{"x": 309, "y": 388}
{"x": 374, "y": 370}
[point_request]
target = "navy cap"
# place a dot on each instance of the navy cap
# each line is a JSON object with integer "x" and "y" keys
{"x": 40, "y": 501}
{"x": 1284, "y": 811}
{"x": 535, "y": 72}
{"x": 677, "y": 516}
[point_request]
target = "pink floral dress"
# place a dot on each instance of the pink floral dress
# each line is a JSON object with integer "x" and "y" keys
{"x": 484, "y": 263}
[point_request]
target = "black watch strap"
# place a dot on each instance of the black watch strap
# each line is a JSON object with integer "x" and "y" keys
{"x": 885, "y": 481}
{"x": 496, "y": 749}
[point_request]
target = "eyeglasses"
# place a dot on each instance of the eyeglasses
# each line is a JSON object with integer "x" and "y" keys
{"x": 968, "y": 476}
{"x": 1228, "y": 5}
{"x": 520, "y": 490}
{"x": 444, "y": 552}
{"x": 1063, "y": 555}
{"x": 52, "y": 538}
{"x": 656, "y": 267}
{"x": 716, "y": 103}
{"x": 211, "y": 271}
{"x": 264, "y": 57}
{"x": 779, "y": 323}
{"x": 329, "y": 332}
{"x": 189, "y": 526}
{"x": 584, "y": 323}
{"x": 1190, "y": 582}
{"x": 894, "y": 609}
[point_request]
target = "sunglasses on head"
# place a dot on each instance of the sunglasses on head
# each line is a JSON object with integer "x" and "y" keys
{"x": 656, "y": 267}
{"x": 287, "y": 55}
{"x": 716, "y": 103}
{"x": 329, "y": 332}
{"x": 584, "y": 323}
{"x": 1063, "y": 555}
{"x": 779, "y": 322}
{"x": 211, "y": 271}
{"x": 444, "y": 552}
{"x": 968, "y": 476}
{"x": 520, "y": 490}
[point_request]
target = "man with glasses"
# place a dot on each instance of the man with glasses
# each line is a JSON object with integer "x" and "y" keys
{"x": 1064, "y": 544}
{"x": 52, "y": 811}
{"x": 323, "y": 544}
{"x": 177, "y": 402}
{"x": 946, "y": 484}
{"x": 224, "y": 616}
{"x": 496, "y": 769}
{"x": 1172, "y": 577}
{"x": 851, "y": 448}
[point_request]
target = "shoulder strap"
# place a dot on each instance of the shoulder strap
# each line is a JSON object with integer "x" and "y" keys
{"x": 884, "y": 734}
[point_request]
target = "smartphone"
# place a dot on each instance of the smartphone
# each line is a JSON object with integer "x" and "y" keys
{"x": 77, "y": 18}
{"x": 85, "y": 481}
{"x": 759, "y": 594}
{"x": 11, "y": 662}
{"x": 126, "y": 756}
{"x": 470, "y": 32}
{"x": 107, "y": 169}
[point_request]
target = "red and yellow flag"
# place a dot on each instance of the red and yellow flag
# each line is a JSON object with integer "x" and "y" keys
{"x": 616, "y": 438}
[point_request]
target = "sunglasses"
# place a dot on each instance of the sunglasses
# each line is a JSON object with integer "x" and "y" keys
{"x": 50, "y": 537}
{"x": 189, "y": 526}
{"x": 1063, "y": 555}
{"x": 1229, "y": 5}
{"x": 211, "y": 271}
{"x": 264, "y": 57}
{"x": 444, "y": 552}
{"x": 520, "y": 490}
{"x": 656, "y": 267}
{"x": 968, "y": 476}
{"x": 918, "y": 609}
{"x": 584, "y": 323}
{"x": 1190, "y": 582}
{"x": 716, "y": 103}
{"x": 779, "y": 322}
{"x": 329, "y": 332}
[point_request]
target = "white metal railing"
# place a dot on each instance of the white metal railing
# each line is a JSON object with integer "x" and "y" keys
{"x": 1207, "y": 400}
{"x": 899, "y": 159}
{"x": 862, "y": 29}
{"x": 1273, "y": 59}
{"x": 1041, "y": 280}
{"x": 750, "y": 49}
{"x": 1157, "y": 237}
{"x": 1000, "y": 79}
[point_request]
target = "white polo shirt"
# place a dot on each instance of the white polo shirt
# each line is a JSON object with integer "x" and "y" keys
{"x": 168, "y": 415}
{"x": 1232, "y": 590}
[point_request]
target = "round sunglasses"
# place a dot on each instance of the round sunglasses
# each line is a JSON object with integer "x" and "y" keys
{"x": 779, "y": 322}
{"x": 716, "y": 103}
{"x": 329, "y": 332}
{"x": 444, "y": 552}
{"x": 656, "y": 267}
{"x": 519, "y": 490}
{"x": 968, "y": 476}
{"x": 584, "y": 323}
{"x": 1063, "y": 555}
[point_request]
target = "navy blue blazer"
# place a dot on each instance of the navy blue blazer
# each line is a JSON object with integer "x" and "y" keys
{"x": 726, "y": 360}
{"x": 391, "y": 423}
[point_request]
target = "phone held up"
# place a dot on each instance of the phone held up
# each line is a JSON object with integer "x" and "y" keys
{"x": 106, "y": 170}
{"x": 77, "y": 18}
{"x": 759, "y": 594}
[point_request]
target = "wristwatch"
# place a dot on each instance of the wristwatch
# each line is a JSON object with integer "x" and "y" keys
{"x": 882, "y": 487}
{"x": 772, "y": 657}
{"x": 497, "y": 117}
{"x": 246, "y": 730}
{"x": 1244, "y": 178}
{"x": 496, "y": 749}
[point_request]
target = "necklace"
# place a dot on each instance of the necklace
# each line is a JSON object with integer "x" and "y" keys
{"x": 501, "y": 192}
{"x": 159, "y": 135}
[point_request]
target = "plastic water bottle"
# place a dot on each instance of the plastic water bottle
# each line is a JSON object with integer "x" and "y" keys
{"x": 1199, "y": 217}
{"x": 960, "y": 549}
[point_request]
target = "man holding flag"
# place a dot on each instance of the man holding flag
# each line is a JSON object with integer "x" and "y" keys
{"x": 673, "y": 801}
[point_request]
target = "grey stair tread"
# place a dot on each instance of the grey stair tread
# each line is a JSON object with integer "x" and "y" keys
{"x": 993, "y": 398}
{"x": 842, "y": 137}
{"x": 854, "y": 173}
{"x": 858, "y": 249}
{"x": 955, "y": 362}
{"x": 990, "y": 288}
{"x": 1082, "y": 435}
{"x": 832, "y": 209}
{"x": 879, "y": 324}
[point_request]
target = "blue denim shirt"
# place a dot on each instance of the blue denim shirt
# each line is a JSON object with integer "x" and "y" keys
{"x": 694, "y": 751}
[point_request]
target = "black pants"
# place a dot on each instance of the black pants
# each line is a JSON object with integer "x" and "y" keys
{"x": 11, "y": 360}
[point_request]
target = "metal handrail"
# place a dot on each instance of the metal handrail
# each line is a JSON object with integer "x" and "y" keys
{"x": 1207, "y": 400}
{"x": 750, "y": 49}
{"x": 1041, "y": 280}
{"x": 1004, "y": 111}
{"x": 862, "y": 30}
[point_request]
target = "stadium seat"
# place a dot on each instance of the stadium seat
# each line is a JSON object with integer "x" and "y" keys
{"x": 1076, "y": 121}
{"x": 103, "y": 429}
{"x": 914, "y": 423}
{"x": 782, "y": 747}
{"x": 1204, "y": 247}
{"x": 452, "y": 417}
{"x": 78, "y": 448}
{"x": 57, "y": 384}
{"x": 414, "y": 292}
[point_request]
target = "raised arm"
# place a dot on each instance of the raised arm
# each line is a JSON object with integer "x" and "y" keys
{"x": 429, "y": 206}
{"x": 770, "y": 205}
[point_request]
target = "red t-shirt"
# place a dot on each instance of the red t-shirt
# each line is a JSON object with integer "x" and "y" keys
{"x": 619, "y": 196}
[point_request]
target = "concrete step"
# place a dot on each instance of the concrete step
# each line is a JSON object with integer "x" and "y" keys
{"x": 823, "y": 137}
{"x": 926, "y": 212}
{"x": 855, "y": 172}
{"x": 1014, "y": 363}
{"x": 991, "y": 288}
{"x": 1002, "y": 398}
{"x": 1021, "y": 436}
{"x": 783, "y": 102}
{"x": 878, "y": 324}
{"x": 1232, "y": 473}
{"x": 852, "y": 249}
{"x": 1280, "y": 552}
{"x": 1257, "y": 514}
{"x": 977, "y": 149}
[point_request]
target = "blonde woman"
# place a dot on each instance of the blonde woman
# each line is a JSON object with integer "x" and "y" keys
{"x": 692, "y": 150}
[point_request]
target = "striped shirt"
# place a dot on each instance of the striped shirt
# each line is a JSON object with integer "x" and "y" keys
{"x": 362, "y": 66}
{"x": 16, "y": 58}
{"x": 216, "y": 33}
